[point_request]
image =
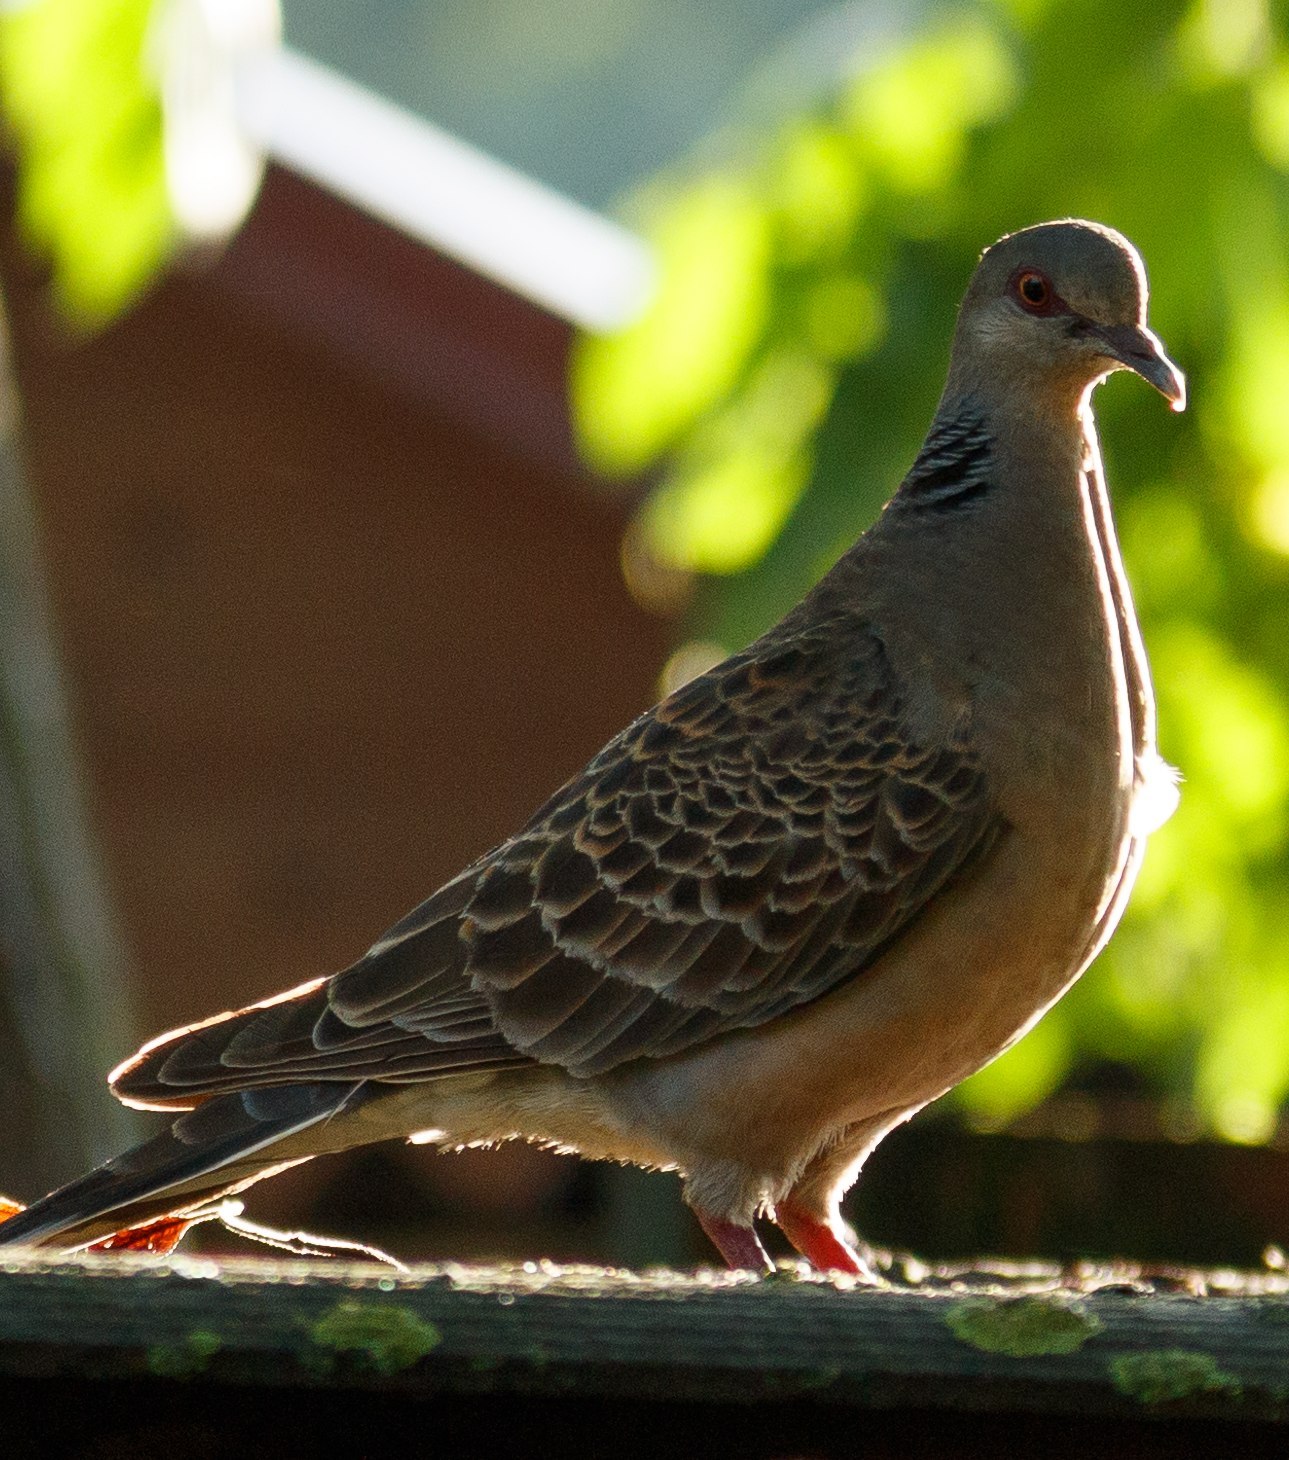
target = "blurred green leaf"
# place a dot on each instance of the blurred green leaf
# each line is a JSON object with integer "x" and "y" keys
{"x": 739, "y": 478}
{"x": 87, "y": 118}
{"x": 640, "y": 390}
{"x": 911, "y": 113}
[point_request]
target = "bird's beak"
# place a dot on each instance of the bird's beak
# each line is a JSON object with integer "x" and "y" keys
{"x": 1139, "y": 349}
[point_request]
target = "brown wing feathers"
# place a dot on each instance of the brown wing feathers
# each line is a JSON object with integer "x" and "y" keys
{"x": 739, "y": 850}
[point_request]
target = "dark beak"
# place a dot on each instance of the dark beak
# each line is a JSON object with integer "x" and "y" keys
{"x": 1137, "y": 348}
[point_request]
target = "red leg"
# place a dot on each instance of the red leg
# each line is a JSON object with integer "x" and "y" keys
{"x": 739, "y": 1246}
{"x": 819, "y": 1242}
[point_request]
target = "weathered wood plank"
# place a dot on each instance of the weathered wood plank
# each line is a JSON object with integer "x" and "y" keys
{"x": 1012, "y": 1342}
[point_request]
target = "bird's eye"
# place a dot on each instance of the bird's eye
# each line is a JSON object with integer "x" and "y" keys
{"x": 1033, "y": 290}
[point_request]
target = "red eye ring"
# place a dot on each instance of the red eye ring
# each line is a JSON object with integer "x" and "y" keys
{"x": 1034, "y": 291}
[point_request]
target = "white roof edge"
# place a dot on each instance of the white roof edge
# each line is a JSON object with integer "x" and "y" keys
{"x": 576, "y": 263}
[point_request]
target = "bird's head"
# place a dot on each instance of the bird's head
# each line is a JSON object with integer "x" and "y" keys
{"x": 1060, "y": 306}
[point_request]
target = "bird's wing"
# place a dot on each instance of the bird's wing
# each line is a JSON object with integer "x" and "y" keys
{"x": 744, "y": 847}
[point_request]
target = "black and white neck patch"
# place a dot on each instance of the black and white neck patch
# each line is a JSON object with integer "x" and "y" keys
{"x": 954, "y": 467}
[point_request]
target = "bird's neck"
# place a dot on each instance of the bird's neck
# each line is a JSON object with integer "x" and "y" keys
{"x": 1005, "y": 519}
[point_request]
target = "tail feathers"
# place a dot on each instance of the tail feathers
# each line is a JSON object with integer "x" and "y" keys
{"x": 224, "y": 1143}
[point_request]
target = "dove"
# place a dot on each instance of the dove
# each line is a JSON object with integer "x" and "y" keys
{"x": 800, "y": 898}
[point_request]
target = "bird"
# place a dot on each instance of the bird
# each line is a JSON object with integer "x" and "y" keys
{"x": 801, "y": 897}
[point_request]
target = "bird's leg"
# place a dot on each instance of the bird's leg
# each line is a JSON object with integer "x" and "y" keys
{"x": 738, "y": 1245}
{"x": 818, "y": 1240}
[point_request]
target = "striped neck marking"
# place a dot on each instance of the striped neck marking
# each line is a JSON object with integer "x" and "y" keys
{"x": 953, "y": 469}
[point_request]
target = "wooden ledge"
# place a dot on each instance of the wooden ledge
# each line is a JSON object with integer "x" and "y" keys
{"x": 1020, "y": 1337}
{"x": 1008, "y": 1341}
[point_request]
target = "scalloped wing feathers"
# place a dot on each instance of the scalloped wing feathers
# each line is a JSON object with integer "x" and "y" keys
{"x": 741, "y": 849}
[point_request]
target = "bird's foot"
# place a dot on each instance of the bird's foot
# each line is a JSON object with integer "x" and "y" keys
{"x": 820, "y": 1243}
{"x": 738, "y": 1245}
{"x": 158, "y": 1238}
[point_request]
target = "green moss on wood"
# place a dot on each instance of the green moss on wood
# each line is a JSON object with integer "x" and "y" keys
{"x": 385, "y": 1337}
{"x": 1021, "y": 1327}
{"x": 183, "y": 1360}
{"x": 1162, "y": 1376}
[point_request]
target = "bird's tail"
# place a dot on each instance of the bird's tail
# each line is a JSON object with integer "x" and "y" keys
{"x": 222, "y": 1145}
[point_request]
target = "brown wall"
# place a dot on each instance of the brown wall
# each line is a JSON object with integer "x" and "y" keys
{"x": 337, "y": 604}
{"x": 327, "y": 636}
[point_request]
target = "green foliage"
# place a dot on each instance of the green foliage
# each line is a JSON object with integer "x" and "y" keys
{"x": 779, "y": 386}
{"x": 78, "y": 95}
